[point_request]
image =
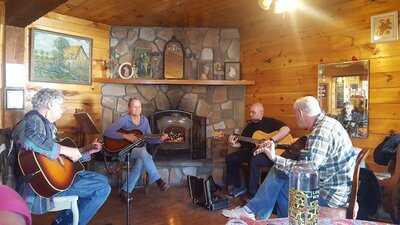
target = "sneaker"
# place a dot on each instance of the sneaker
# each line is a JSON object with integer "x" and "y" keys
{"x": 239, "y": 212}
{"x": 238, "y": 192}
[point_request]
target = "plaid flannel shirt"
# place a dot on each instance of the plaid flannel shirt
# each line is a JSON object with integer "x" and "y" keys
{"x": 331, "y": 152}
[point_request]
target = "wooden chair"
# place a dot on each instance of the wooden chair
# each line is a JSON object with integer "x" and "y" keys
{"x": 351, "y": 211}
{"x": 391, "y": 186}
{"x": 65, "y": 203}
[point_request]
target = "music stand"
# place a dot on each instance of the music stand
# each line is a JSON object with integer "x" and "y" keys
{"x": 86, "y": 124}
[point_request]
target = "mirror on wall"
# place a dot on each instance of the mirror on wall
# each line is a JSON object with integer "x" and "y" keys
{"x": 344, "y": 94}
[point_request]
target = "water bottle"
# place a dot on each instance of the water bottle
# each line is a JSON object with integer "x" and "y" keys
{"x": 303, "y": 194}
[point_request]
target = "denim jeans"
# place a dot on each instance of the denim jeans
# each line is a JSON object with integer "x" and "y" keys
{"x": 92, "y": 189}
{"x": 233, "y": 163}
{"x": 274, "y": 189}
{"x": 143, "y": 161}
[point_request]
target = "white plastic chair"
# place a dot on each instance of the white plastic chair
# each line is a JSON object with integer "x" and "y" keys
{"x": 67, "y": 202}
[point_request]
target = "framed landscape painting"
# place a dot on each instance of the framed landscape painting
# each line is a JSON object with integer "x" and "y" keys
{"x": 60, "y": 58}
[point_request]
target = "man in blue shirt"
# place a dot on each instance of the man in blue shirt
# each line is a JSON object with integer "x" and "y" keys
{"x": 134, "y": 120}
{"x": 37, "y": 132}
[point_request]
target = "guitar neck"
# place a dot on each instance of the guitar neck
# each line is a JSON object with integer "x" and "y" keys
{"x": 282, "y": 146}
{"x": 151, "y": 136}
{"x": 256, "y": 141}
{"x": 250, "y": 140}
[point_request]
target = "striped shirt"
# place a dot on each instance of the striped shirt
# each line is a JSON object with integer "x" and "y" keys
{"x": 331, "y": 152}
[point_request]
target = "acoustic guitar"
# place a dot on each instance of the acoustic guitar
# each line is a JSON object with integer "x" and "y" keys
{"x": 291, "y": 145}
{"x": 112, "y": 145}
{"x": 258, "y": 137}
{"x": 47, "y": 177}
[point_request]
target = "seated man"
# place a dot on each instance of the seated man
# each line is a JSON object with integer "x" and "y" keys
{"x": 330, "y": 150}
{"x": 351, "y": 119}
{"x": 36, "y": 132}
{"x": 135, "y": 121}
{"x": 257, "y": 123}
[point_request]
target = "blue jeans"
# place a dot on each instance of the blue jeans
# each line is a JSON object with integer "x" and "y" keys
{"x": 274, "y": 189}
{"x": 143, "y": 161}
{"x": 92, "y": 189}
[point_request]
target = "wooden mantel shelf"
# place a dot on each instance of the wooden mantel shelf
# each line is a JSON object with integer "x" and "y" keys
{"x": 176, "y": 82}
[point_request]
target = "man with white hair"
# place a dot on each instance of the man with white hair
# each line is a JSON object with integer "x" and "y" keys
{"x": 245, "y": 153}
{"x": 328, "y": 148}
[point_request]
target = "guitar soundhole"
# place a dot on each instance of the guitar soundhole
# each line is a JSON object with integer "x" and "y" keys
{"x": 176, "y": 134}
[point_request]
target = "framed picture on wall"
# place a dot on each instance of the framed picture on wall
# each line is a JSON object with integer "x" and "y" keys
{"x": 232, "y": 70}
{"x": 60, "y": 58}
{"x": 384, "y": 27}
{"x": 127, "y": 70}
{"x": 14, "y": 99}
{"x": 205, "y": 70}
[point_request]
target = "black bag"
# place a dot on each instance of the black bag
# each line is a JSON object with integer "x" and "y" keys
{"x": 386, "y": 150}
{"x": 368, "y": 195}
{"x": 204, "y": 193}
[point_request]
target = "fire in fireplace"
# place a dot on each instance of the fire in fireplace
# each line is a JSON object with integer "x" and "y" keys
{"x": 186, "y": 133}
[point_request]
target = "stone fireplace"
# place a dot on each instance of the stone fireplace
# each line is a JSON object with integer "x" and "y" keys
{"x": 190, "y": 113}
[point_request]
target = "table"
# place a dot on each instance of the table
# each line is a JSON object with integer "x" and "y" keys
{"x": 322, "y": 221}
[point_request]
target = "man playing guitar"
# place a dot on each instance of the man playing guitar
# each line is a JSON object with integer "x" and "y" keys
{"x": 36, "y": 132}
{"x": 134, "y": 120}
{"x": 233, "y": 160}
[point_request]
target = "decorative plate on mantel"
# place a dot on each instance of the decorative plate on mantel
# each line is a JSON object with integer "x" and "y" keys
{"x": 173, "y": 59}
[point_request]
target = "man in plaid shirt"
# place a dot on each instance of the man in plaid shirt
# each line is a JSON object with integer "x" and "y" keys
{"x": 330, "y": 150}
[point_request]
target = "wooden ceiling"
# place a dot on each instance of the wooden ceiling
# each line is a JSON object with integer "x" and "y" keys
{"x": 182, "y": 13}
{"x": 199, "y": 13}
{"x": 20, "y": 13}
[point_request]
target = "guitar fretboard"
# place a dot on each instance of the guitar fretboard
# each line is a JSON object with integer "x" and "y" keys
{"x": 249, "y": 139}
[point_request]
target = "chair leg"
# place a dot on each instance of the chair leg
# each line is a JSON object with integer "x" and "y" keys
{"x": 75, "y": 213}
{"x": 146, "y": 182}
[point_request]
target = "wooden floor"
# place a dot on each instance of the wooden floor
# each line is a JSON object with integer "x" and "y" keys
{"x": 156, "y": 208}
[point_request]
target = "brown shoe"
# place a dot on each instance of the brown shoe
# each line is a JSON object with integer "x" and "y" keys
{"x": 123, "y": 196}
{"x": 162, "y": 185}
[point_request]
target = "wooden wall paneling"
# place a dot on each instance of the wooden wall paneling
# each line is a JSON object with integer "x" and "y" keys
{"x": 86, "y": 97}
{"x": 390, "y": 79}
{"x": 384, "y": 111}
{"x": 272, "y": 51}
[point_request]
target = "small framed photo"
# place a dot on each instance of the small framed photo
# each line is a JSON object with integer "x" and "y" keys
{"x": 205, "y": 70}
{"x": 384, "y": 27}
{"x": 126, "y": 71}
{"x": 219, "y": 71}
{"x": 15, "y": 99}
{"x": 232, "y": 70}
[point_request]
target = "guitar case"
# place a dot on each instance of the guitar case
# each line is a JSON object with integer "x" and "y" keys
{"x": 204, "y": 193}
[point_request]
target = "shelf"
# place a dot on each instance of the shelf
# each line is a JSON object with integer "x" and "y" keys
{"x": 176, "y": 82}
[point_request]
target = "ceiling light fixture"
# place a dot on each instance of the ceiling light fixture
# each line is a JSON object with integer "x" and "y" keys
{"x": 279, "y": 6}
